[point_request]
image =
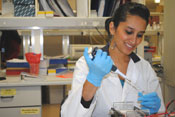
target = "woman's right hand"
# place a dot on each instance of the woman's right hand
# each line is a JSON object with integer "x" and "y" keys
{"x": 98, "y": 67}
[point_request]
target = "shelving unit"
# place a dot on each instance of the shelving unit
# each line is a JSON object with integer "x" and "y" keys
{"x": 160, "y": 36}
{"x": 156, "y": 14}
{"x": 51, "y": 23}
{"x": 64, "y": 25}
{"x": 153, "y": 32}
{"x": 36, "y": 25}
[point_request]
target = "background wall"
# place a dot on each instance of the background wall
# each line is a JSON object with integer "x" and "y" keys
{"x": 52, "y": 45}
{"x": 0, "y": 6}
{"x": 169, "y": 54}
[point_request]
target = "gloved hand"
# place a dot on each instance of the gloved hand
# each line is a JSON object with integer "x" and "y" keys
{"x": 98, "y": 67}
{"x": 150, "y": 101}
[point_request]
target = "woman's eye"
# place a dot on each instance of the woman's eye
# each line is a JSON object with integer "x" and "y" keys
{"x": 129, "y": 32}
{"x": 140, "y": 35}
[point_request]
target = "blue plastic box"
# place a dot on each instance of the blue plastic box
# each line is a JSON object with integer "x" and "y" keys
{"x": 24, "y": 8}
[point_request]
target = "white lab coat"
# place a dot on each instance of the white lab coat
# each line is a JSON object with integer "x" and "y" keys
{"x": 110, "y": 91}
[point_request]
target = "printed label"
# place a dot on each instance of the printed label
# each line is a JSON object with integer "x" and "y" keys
{"x": 8, "y": 92}
{"x": 27, "y": 111}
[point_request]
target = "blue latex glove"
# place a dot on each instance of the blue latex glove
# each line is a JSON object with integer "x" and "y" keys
{"x": 150, "y": 101}
{"x": 98, "y": 67}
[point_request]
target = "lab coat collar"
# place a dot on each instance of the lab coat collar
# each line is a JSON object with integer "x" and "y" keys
{"x": 131, "y": 69}
{"x": 133, "y": 56}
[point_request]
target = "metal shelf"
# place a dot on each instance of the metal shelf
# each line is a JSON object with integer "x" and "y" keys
{"x": 153, "y": 32}
{"x": 60, "y": 32}
{"x": 51, "y": 23}
{"x": 156, "y": 13}
{"x": 66, "y": 25}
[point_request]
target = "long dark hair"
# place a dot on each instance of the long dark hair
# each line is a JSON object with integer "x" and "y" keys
{"x": 10, "y": 41}
{"x": 129, "y": 8}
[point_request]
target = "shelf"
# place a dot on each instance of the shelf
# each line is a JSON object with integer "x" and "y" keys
{"x": 46, "y": 80}
{"x": 51, "y": 23}
{"x": 156, "y": 59}
{"x": 156, "y": 13}
{"x": 57, "y": 32}
{"x": 153, "y": 32}
{"x": 64, "y": 25}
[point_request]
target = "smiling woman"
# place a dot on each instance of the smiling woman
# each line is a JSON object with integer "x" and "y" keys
{"x": 95, "y": 88}
{"x": 128, "y": 35}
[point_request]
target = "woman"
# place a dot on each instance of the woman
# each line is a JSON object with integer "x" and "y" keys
{"x": 95, "y": 88}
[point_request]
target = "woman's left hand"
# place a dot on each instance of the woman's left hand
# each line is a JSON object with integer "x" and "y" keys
{"x": 150, "y": 101}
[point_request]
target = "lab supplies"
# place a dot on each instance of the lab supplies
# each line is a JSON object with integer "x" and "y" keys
{"x": 55, "y": 71}
{"x": 24, "y": 8}
{"x": 34, "y": 61}
{"x": 126, "y": 109}
{"x": 116, "y": 70}
{"x": 31, "y": 77}
{"x": 14, "y": 67}
{"x": 57, "y": 65}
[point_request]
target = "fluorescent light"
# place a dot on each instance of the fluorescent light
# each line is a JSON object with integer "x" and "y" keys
{"x": 36, "y": 27}
{"x": 157, "y": 1}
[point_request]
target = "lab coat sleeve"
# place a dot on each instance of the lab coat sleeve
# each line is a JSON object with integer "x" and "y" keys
{"x": 154, "y": 86}
{"x": 72, "y": 106}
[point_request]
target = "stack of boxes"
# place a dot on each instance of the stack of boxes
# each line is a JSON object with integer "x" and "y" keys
{"x": 56, "y": 66}
{"x": 24, "y": 8}
{"x": 16, "y": 66}
{"x": 47, "y": 67}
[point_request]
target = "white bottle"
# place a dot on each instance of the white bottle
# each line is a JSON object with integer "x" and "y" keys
{"x": 154, "y": 26}
{"x": 149, "y": 27}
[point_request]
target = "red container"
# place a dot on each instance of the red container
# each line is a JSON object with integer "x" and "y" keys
{"x": 34, "y": 61}
{"x": 34, "y": 69}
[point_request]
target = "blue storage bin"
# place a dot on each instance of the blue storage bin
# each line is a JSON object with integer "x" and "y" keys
{"x": 24, "y": 10}
{"x": 24, "y": 2}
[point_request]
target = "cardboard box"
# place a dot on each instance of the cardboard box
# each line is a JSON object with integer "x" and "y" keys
{"x": 159, "y": 8}
{"x": 49, "y": 13}
{"x": 41, "y": 13}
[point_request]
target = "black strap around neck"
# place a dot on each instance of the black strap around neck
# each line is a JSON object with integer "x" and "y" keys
{"x": 133, "y": 56}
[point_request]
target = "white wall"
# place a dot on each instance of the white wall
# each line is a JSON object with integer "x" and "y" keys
{"x": 169, "y": 53}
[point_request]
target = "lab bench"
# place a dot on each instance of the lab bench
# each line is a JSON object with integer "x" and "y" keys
{"x": 22, "y": 98}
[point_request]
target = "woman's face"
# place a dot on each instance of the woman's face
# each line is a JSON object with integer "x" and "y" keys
{"x": 128, "y": 35}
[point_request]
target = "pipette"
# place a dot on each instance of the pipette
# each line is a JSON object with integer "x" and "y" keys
{"x": 114, "y": 69}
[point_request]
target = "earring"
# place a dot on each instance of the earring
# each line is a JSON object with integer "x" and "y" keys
{"x": 113, "y": 47}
